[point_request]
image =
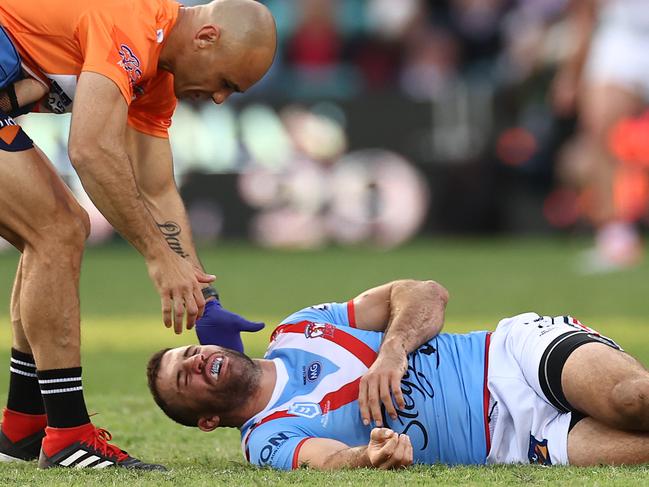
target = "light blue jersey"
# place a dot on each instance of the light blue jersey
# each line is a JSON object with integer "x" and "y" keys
{"x": 320, "y": 357}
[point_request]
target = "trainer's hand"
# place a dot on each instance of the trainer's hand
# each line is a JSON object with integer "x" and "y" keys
{"x": 379, "y": 384}
{"x": 218, "y": 326}
{"x": 388, "y": 449}
{"x": 179, "y": 284}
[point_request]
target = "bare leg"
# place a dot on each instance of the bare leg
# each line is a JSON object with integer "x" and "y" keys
{"x": 608, "y": 385}
{"x": 602, "y": 106}
{"x": 40, "y": 216}
{"x": 617, "y": 243}
{"x": 593, "y": 443}
{"x": 20, "y": 342}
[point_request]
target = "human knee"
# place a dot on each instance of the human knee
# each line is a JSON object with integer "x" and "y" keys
{"x": 630, "y": 398}
{"x": 69, "y": 233}
{"x": 84, "y": 221}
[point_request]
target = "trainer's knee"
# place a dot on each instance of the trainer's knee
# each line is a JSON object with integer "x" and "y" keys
{"x": 84, "y": 221}
{"x": 630, "y": 399}
{"x": 67, "y": 234}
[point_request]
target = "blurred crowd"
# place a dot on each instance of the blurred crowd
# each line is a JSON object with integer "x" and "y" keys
{"x": 341, "y": 48}
{"x": 514, "y": 115}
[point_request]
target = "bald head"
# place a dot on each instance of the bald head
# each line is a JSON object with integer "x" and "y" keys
{"x": 222, "y": 47}
{"x": 246, "y": 23}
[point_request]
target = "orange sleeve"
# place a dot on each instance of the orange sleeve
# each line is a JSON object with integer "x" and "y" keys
{"x": 108, "y": 51}
{"x": 151, "y": 112}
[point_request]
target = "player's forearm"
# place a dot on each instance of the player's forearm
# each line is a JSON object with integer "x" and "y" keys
{"x": 171, "y": 218}
{"x": 348, "y": 458}
{"x": 108, "y": 179}
{"x": 416, "y": 315}
{"x": 152, "y": 162}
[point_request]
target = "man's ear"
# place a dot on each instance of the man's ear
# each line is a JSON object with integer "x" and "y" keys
{"x": 208, "y": 423}
{"x": 207, "y": 35}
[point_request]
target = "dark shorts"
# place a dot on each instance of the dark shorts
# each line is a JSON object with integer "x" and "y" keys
{"x": 552, "y": 362}
{"x": 12, "y": 137}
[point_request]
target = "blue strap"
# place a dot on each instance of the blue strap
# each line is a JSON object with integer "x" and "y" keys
{"x": 9, "y": 60}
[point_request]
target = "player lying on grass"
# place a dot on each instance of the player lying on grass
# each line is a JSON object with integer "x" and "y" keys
{"x": 373, "y": 383}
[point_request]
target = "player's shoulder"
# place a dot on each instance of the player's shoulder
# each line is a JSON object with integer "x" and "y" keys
{"x": 332, "y": 313}
{"x": 272, "y": 443}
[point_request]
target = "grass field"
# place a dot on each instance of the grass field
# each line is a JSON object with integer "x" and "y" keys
{"x": 488, "y": 279}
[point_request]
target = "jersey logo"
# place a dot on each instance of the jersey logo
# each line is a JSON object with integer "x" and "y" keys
{"x": 317, "y": 330}
{"x": 312, "y": 372}
{"x": 130, "y": 63}
{"x": 321, "y": 307}
{"x": 307, "y": 410}
{"x": 58, "y": 100}
{"x": 270, "y": 449}
{"x": 538, "y": 452}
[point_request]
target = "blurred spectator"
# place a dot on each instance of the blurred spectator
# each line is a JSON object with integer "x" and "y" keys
{"x": 431, "y": 63}
{"x": 316, "y": 42}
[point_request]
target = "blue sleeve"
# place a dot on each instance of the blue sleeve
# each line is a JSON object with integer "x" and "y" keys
{"x": 268, "y": 447}
{"x": 333, "y": 313}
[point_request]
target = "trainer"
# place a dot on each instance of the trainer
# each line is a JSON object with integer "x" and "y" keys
{"x": 372, "y": 383}
{"x": 118, "y": 66}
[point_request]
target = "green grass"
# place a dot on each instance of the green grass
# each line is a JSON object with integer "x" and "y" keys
{"x": 488, "y": 280}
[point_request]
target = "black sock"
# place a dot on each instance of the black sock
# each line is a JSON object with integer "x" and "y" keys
{"x": 63, "y": 397}
{"x": 24, "y": 393}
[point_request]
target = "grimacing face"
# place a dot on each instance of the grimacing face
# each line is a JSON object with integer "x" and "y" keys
{"x": 206, "y": 379}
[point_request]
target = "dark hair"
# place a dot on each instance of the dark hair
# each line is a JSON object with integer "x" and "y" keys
{"x": 186, "y": 418}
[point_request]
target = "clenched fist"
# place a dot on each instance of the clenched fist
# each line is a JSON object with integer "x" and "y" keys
{"x": 388, "y": 449}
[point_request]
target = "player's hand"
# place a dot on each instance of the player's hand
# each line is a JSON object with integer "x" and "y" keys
{"x": 379, "y": 385}
{"x": 218, "y": 326}
{"x": 388, "y": 449}
{"x": 179, "y": 284}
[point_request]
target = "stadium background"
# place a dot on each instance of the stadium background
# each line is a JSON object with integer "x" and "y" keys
{"x": 391, "y": 139}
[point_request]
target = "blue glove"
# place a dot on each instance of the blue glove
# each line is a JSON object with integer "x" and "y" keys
{"x": 218, "y": 326}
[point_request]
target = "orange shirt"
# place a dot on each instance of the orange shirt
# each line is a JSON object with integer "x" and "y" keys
{"x": 120, "y": 39}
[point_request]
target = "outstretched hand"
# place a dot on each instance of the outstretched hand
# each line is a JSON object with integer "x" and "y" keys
{"x": 388, "y": 449}
{"x": 179, "y": 284}
{"x": 379, "y": 385}
{"x": 218, "y": 326}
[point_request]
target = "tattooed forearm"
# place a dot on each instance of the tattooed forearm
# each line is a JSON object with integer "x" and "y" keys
{"x": 171, "y": 231}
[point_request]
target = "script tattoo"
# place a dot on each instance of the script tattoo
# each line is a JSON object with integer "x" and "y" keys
{"x": 171, "y": 231}
{"x": 415, "y": 387}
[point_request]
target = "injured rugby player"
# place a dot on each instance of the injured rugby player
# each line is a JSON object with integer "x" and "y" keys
{"x": 373, "y": 383}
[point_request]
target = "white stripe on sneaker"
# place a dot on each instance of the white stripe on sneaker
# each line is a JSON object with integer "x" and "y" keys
{"x": 21, "y": 372}
{"x": 9, "y": 458}
{"x": 87, "y": 461}
{"x": 76, "y": 455}
{"x": 62, "y": 379}
{"x": 26, "y": 364}
{"x": 104, "y": 464}
{"x": 58, "y": 391}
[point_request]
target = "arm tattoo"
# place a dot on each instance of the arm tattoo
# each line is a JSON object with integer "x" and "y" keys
{"x": 171, "y": 231}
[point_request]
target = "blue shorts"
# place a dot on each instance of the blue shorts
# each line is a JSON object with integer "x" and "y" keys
{"x": 10, "y": 71}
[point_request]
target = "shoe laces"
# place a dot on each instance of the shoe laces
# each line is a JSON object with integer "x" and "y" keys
{"x": 99, "y": 439}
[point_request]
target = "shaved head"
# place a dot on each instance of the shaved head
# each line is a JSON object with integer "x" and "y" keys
{"x": 219, "y": 48}
{"x": 246, "y": 23}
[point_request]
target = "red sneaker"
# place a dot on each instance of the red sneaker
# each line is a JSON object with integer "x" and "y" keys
{"x": 92, "y": 450}
{"x": 23, "y": 450}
